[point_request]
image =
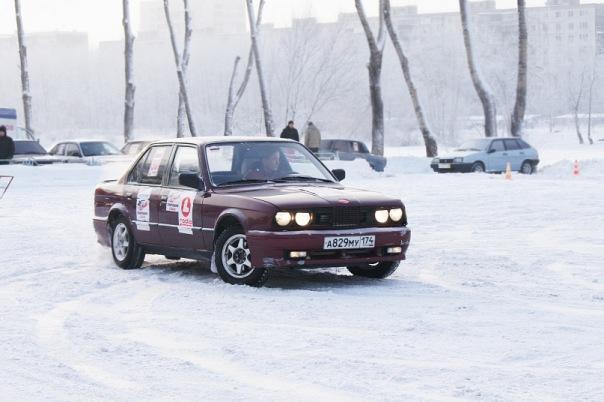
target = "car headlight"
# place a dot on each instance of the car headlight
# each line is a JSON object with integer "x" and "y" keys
{"x": 283, "y": 218}
{"x": 303, "y": 218}
{"x": 396, "y": 214}
{"x": 381, "y": 215}
{"x": 458, "y": 160}
{"x": 435, "y": 161}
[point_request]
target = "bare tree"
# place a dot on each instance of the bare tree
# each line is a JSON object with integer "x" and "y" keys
{"x": 254, "y": 34}
{"x": 376, "y": 49}
{"x": 26, "y": 93}
{"x": 520, "y": 106}
{"x": 488, "y": 103}
{"x": 590, "y": 107}
{"x": 186, "y": 56}
{"x": 235, "y": 97}
{"x": 182, "y": 78}
{"x": 130, "y": 88}
{"x": 577, "y": 105}
{"x": 429, "y": 141}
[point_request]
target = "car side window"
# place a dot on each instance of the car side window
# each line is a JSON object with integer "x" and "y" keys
{"x": 342, "y": 146}
{"x": 151, "y": 167}
{"x": 497, "y": 146}
{"x": 186, "y": 160}
{"x": 511, "y": 145}
{"x": 72, "y": 150}
{"x": 58, "y": 150}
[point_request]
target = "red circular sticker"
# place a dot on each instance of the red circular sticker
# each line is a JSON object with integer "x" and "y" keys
{"x": 185, "y": 207}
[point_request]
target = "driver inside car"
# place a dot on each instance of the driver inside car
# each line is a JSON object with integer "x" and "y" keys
{"x": 267, "y": 168}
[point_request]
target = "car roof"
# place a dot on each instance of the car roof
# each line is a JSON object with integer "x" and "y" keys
{"x": 220, "y": 139}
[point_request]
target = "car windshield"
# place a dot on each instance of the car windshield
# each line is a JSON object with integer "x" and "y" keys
{"x": 99, "y": 149}
{"x": 473, "y": 145}
{"x": 263, "y": 162}
{"x": 29, "y": 148}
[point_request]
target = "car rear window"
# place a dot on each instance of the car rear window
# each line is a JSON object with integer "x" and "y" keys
{"x": 151, "y": 168}
{"x": 511, "y": 145}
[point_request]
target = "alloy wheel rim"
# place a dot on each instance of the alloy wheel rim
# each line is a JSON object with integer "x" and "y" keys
{"x": 526, "y": 168}
{"x": 121, "y": 242}
{"x": 478, "y": 169}
{"x": 236, "y": 257}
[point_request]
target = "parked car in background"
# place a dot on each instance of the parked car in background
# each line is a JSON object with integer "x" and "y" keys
{"x": 349, "y": 150}
{"x": 248, "y": 205}
{"x": 29, "y": 152}
{"x": 87, "y": 151}
{"x": 489, "y": 155}
{"x": 133, "y": 148}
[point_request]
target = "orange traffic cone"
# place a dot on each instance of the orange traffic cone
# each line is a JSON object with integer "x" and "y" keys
{"x": 576, "y": 170}
{"x": 508, "y": 172}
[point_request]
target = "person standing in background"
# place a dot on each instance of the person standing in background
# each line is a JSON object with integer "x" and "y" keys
{"x": 290, "y": 132}
{"x": 7, "y": 147}
{"x": 312, "y": 137}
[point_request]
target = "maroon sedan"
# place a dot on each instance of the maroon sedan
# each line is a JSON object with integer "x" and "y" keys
{"x": 247, "y": 205}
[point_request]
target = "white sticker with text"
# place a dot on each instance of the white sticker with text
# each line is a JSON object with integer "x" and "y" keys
{"x": 143, "y": 210}
{"x": 185, "y": 212}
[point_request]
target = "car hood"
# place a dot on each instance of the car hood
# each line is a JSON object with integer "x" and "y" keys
{"x": 313, "y": 196}
{"x": 457, "y": 154}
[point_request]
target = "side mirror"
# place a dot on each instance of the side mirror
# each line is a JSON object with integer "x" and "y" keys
{"x": 491, "y": 151}
{"x": 340, "y": 174}
{"x": 191, "y": 180}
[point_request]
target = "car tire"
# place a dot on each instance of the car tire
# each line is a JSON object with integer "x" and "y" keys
{"x": 527, "y": 168}
{"x": 127, "y": 253}
{"x": 232, "y": 259}
{"x": 478, "y": 167}
{"x": 381, "y": 270}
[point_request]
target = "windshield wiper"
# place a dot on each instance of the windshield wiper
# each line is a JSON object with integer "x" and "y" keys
{"x": 302, "y": 178}
{"x": 244, "y": 181}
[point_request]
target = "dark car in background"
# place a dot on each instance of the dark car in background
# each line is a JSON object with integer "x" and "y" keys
{"x": 249, "y": 205}
{"x": 29, "y": 152}
{"x": 349, "y": 150}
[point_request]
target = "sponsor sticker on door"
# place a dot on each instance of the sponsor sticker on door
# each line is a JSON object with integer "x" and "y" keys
{"x": 185, "y": 212}
{"x": 173, "y": 204}
{"x": 143, "y": 209}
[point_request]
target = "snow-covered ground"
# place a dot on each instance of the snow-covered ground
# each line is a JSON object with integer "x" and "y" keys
{"x": 501, "y": 298}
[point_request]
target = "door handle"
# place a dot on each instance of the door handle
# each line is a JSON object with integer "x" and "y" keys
{"x": 129, "y": 196}
{"x": 505, "y": 154}
{"x": 164, "y": 199}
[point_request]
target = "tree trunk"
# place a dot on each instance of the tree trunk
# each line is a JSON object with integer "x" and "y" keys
{"x": 182, "y": 78}
{"x": 234, "y": 98}
{"x": 254, "y": 34}
{"x": 25, "y": 89}
{"x": 591, "y": 89}
{"x": 429, "y": 141}
{"x": 376, "y": 49}
{"x": 488, "y": 104}
{"x": 186, "y": 56}
{"x": 520, "y": 106}
{"x": 130, "y": 88}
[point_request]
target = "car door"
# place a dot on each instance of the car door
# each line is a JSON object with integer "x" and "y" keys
{"x": 180, "y": 208}
{"x": 72, "y": 153}
{"x": 497, "y": 157}
{"x": 142, "y": 193}
{"x": 513, "y": 151}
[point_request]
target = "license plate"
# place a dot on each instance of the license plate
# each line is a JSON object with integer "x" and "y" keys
{"x": 444, "y": 166}
{"x": 349, "y": 242}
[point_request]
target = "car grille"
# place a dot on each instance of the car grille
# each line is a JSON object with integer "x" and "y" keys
{"x": 343, "y": 217}
{"x": 445, "y": 160}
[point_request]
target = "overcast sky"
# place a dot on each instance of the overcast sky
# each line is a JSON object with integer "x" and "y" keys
{"x": 101, "y": 18}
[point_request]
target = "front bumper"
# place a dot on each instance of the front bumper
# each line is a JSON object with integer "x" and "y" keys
{"x": 454, "y": 168}
{"x": 271, "y": 249}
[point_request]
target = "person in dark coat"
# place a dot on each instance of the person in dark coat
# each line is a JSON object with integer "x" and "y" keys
{"x": 290, "y": 132}
{"x": 7, "y": 147}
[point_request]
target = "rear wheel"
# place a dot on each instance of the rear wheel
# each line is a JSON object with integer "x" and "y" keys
{"x": 232, "y": 258}
{"x": 526, "y": 168}
{"x": 126, "y": 252}
{"x": 380, "y": 270}
{"x": 478, "y": 167}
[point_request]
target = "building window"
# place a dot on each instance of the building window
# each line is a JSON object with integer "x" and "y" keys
{"x": 571, "y": 26}
{"x": 570, "y": 13}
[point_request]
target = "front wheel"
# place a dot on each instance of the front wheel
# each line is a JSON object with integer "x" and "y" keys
{"x": 478, "y": 167}
{"x": 126, "y": 252}
{"x": 232, "y": 258}
{"x": 381, "y": 270}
